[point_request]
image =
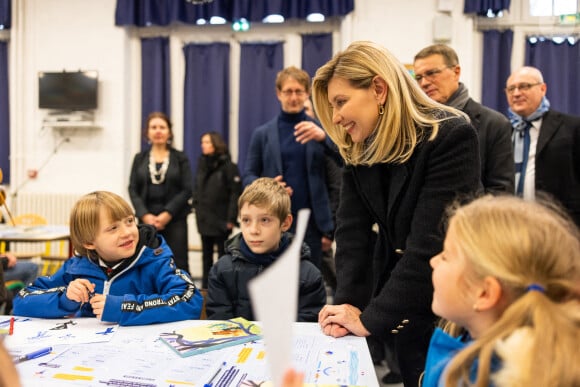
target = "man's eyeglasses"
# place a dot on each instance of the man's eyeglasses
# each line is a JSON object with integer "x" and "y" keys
{"x": 288, "y": 93}
{"x": 521, "y": 87}
{"x": 430, "y": 74}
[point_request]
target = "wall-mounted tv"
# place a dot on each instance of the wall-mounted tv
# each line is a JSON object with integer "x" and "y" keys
{"x": 68, "y": 90}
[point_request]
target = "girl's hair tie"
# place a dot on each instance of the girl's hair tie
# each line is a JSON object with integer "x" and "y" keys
{"x": 536, "y": 287}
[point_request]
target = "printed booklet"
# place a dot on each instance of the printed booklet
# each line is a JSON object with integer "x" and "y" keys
{"x": 213, "y": 335}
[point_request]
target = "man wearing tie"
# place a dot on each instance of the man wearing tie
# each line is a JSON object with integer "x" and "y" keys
{"x": 546, "y": 142}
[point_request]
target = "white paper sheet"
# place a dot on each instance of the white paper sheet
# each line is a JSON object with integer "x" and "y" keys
{"x": 47, "y": 332}
{"x": 274, "y": 295}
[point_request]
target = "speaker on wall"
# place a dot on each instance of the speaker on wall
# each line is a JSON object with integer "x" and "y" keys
{"x": 442, "y": 28}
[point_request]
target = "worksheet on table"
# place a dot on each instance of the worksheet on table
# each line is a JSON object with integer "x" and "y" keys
{"x": 44, "y": 332}
{"x": 143, "y": 361}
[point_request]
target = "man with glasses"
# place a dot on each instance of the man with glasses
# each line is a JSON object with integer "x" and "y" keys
{"x": 437, "y": 71}
{"x": 291, "y": 148}
{"x": 546, "y": 142}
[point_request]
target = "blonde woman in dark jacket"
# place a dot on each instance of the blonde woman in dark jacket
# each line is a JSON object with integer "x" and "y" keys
{"x": 406, "y": 157}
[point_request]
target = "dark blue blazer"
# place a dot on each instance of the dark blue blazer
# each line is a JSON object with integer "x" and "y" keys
{"x": 558, "y": 160}
{"x": 264, "y": 158}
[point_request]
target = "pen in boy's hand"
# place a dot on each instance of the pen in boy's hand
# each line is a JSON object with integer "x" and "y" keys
{"x": 34, "y": 355}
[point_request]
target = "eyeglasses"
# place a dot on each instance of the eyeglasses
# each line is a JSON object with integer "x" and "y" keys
{"x": 430, "y": 74}
{"x": 521, "y": 87}
{"x": 288, "y": 93}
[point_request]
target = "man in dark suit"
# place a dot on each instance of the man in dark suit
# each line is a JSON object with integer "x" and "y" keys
{"x": 546, "y": 142}
{"x": 437, "y": 71}
{"x": 292, "y": 149}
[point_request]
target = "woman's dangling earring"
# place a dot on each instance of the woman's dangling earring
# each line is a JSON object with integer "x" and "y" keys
{"x": 381, "y": 110}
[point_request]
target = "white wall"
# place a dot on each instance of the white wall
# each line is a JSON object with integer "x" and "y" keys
{"x": 55, "y": 35}
{"x": 52, "y": 35}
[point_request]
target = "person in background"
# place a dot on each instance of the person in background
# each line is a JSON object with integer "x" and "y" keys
{"x": 407, "y": 157}
{"x": 216, "y": 190}
{"x": 265, "y": 218}
{"x": 546, "y": 142}
{"x": 291, "y": 148}
{"x": 18, "y": 270}
{"x": 160, "y": 187}
{"x": 123, "y": 272}
{"x": 437, "y": 71}
{"x": 333, "y": 178}
{"x": 512, "y": 307}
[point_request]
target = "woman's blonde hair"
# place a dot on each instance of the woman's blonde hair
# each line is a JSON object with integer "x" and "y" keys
{"x": 408, "y": 111}
{"x": 85, "y": 217}
{"x": 522, "y": 243}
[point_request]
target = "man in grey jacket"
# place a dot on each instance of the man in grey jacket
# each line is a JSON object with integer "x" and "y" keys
{"x": 437, "y": 71}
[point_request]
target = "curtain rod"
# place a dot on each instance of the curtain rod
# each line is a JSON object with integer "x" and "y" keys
{"x": 236, "y": 40}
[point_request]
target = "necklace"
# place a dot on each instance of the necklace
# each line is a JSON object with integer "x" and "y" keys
{"x": 158, "y": 176}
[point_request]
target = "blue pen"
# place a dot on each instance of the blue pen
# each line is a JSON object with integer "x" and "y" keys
{"x": 210, "y": 383}
{"x": 34, "y": 355}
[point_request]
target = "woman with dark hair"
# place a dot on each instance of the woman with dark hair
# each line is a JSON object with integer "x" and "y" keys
{"x": 160, "y": 187}
{"x": 216, "y": 190}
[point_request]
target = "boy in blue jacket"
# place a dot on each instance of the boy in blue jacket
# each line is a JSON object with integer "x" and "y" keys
{"x": 121, "y": 272}
{"x": 264, "y": 209}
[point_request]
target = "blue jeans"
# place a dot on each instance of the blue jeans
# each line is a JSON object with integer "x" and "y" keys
{"x": 23, "y": 271}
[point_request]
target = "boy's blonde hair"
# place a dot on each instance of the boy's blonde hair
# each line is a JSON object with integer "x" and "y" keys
{"x": 267, "y": 193}
{"x": 408, "y": 111}
{"x": 84, "y": 217}
{"x": 522, "y": 243}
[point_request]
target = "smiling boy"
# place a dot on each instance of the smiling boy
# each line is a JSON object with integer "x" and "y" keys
{"x": 121, "y": 272}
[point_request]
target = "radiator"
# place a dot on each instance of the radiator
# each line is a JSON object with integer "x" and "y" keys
{"x": 55, "y": 208}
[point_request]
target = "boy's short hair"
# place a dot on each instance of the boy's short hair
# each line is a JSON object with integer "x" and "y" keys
{"x": 84, "y": 217}
{"x": 266, "y": 192}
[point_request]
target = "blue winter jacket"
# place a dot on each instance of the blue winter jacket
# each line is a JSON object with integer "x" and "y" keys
{"x": 442, "y": 349}
{"x": 149, "y": 290}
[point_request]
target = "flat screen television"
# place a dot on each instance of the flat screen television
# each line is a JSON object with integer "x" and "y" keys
{"x": 68, "y": 90}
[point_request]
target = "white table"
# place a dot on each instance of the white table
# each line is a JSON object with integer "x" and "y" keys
{"x": 133, "y": 356}
{"x": 41, "y": 233}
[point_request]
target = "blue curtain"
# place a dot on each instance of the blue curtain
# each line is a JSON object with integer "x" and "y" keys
{"x": 4, "y": 114}
{"x": 316, "y": 51}
{"x": 145, "y": 13}
{"x": 206, "y": 101}
{"x": 5, "y": 14}
{"x": 155, "y": 79}
{"x": 256, "y": 10}
{"x": 559, "y": 61}
{"x": 259, "y": 64}
{"x": 482, "y": 7}
{"x": 497, "y": 52}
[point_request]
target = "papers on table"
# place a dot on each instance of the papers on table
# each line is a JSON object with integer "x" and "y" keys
{"x": 46, "y": 332}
